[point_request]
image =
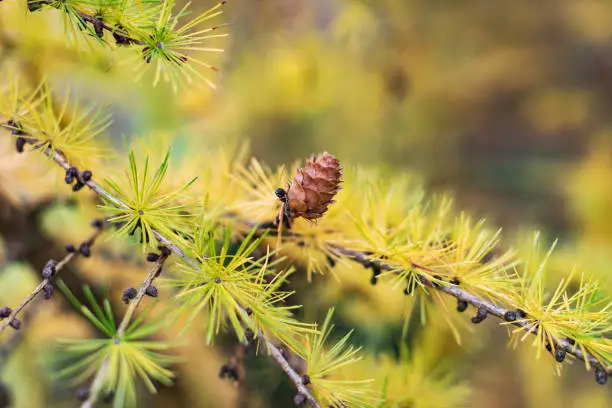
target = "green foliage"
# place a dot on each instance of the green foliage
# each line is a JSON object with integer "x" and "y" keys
{"x": 324, "y": 363}
{"x": 143, "y": 204}
{"x": 149, "y": 25}
{"x": 225, "y": 284}
{"x": 583, "y": 313}
{"x": 168, "y": 43}
{"x": 122, "y": 357}
{"x": 232, "y": 277}
{"x": 66, "y": 127}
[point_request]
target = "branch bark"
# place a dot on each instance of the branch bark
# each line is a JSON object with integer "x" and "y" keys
{"x": 127, "y": 317}
{"x": 491, "y": 308}
{"x": 58, "y": 267}
{"x": 275, "y": 353}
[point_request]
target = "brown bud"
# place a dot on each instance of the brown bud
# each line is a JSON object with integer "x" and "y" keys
{"x": 312, "y": 190}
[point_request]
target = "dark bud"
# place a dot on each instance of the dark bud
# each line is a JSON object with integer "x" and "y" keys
{"x": 281, "y": 194}
{"x": 120, "y": 39}
{"x": 481, "y": 314}
{"x": 78, "y": 186}
{"x": 5, "y": 312}
{"x": 48, "y": 291}
{"x": 283, "y": 351}
{"x": 15, "y": 323}
{"x": 521, "y": 314}
{"x": 129, "y": 294}
{"x": 152, "y": 291}
{"x": 462, "y": 305}
{"x": 510, "y": 316}
{"x": 455, "y": 281}
{"x": 49, "y": 269}
{"x": 249, "y": 311}
{"x": 248, "y": 333}
{"x": 98, "y": 27}
{"x": 85, "y": 250}
{"x": 70, "y": 248}
{"x": 305, "y": 379}
{"x": 72, "y": 171}
{"x": 164, "y": 251}
{"x": 228, "y": 371}
{"x": 217, "y": 280}
{"x": 20, "y": 144}
{"x": 69, "y": 179}
{"x": 86, "y": 176}
{"x": 99, "y": 224}
{"x": 435, "y": 280}
{"x": 152, "y": 257}
{"x": 299, "y": 399}
{"x": 223, "y": 372}
{"x": 375, "y": 269}
{"x": 548, "y": 347}
{"x": 408, "y": 290}
{"x": 601, "y": 376}
{"x": 373, "y": 280}
{"x": 82, "y": 394}
{"x": 560, "y": 355}
{"x": 571, "y": 341}
{"x": 330, "y": 261}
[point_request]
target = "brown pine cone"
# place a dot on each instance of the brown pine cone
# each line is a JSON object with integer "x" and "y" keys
{"x": 314, "y": 187}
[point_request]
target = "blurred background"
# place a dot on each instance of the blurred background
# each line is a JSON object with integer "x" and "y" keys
{"x": 506, "y": 105}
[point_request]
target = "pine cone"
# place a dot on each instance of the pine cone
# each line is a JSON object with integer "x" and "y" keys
{"x": 314, "y": 187}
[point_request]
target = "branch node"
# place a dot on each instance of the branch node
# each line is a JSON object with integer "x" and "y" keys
{"x": 49, "y": 269}
{"x": 510, "y": 316}
{"x": 601, "y": 376}
{"x": 128, "y": 295}
{"x": 481, "y": 314}
{"x": 462, "y": 305}
{"x": 5, "y": 312}
{"x": 48, "y": 290}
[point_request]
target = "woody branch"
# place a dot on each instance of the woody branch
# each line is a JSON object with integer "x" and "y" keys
{"x": 49, "y": 272}
{"x": 274, "y": 351}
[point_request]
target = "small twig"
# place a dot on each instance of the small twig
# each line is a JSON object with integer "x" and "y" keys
{"x": 127, "y": 317}
{"x": 58, "y": 157}
{"x": 458, "y": 293}
{"x": 97, "y": 22}
{"x": 294, "y": 376}
{"x": 490, "y": 307}
{"x": 153, "y": 273}
{"x": 17, "y": 335}
{"x": 58, "y": 267}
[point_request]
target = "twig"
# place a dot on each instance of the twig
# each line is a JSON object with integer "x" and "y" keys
{"x": 59, "y": 158}
{"x": 101, "y": 373}
{"x": 295, "y": 377}
{"x": 98, "y": 22}
{"x": 17, "y": 335}
{"x": 490, "y": 307}
{"x": 58, "y": 267}
{"x": 458, "y": 293}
